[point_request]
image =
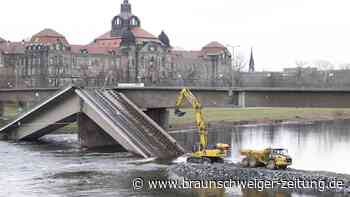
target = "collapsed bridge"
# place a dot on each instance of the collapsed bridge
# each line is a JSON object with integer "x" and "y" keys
{"x": 105, "y": 117}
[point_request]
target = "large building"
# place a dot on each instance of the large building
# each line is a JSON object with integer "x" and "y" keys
{"x": 126, "y": 53}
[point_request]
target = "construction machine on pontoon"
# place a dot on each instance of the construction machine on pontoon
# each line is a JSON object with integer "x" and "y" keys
{"x": 202, "y": 152}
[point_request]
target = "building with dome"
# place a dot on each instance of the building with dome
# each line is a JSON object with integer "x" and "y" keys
{"x": 126, "y": 53}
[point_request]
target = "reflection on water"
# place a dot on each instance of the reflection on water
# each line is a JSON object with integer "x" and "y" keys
{"x": 56, "y": 166}
{"x": 319, "y": 146}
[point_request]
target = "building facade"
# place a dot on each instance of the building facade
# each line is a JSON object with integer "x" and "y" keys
{"x": 124, "y": 54}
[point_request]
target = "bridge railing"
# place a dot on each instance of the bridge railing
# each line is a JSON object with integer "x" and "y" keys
{"x": 256, "y": 80}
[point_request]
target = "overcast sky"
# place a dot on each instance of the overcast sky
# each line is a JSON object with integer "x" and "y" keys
{"x": 280, "y": 31}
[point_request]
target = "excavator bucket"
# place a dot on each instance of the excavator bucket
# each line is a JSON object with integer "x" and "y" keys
{"x": 179, "y": 113}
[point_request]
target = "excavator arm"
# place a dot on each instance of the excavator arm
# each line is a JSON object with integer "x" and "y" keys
{"x": 184, "y": 95}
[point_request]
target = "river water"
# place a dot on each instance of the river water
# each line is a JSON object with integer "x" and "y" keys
{"x": 56, "y": 166}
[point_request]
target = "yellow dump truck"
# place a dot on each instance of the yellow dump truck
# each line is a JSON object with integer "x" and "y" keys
{"x": 270, "y": 158}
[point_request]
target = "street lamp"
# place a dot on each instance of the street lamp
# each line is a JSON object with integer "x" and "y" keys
{"x": 179, "y": 80}
{"x": 139, "y": 78}
{"x": 221, "y": 79}
{"x": 16, "y": 77}
{"x": 233, "y": 62}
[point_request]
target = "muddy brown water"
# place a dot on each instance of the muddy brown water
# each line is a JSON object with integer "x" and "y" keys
{"x": 56, "y": 166}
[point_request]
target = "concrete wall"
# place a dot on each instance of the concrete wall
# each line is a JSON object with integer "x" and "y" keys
{"x": 308, "y": 78}
{"x": 295, "y": 99}
{"x": 166, "y": 98}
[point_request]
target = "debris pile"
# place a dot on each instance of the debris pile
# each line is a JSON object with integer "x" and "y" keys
{"x": 222, "y": 172}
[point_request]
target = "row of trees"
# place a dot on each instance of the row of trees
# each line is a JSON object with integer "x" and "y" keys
{"x": 322, "y": 65}
{"x": 240, "y": 64}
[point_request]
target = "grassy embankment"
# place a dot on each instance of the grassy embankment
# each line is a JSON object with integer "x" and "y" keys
{"x": 259, "y": 115}
{"x": 231, "y": 116}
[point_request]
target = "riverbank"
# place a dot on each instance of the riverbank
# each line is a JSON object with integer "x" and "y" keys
{"x": 217, "y": 117}
{"x": 323, "y": 181}
{"x": 228, "y": 117}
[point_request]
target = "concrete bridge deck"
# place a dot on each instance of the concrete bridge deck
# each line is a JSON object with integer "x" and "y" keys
{"x": 145, "y": 98}
{"x": 163, "y": 97}
{"x": 113, "y": 117}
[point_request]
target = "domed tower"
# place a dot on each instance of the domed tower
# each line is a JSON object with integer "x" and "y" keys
{"x": 128, "y": 38}
{"x": 124, "y": 20}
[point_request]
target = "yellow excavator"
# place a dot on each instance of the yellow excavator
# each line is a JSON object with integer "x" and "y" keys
{"x": 202, "y": 152}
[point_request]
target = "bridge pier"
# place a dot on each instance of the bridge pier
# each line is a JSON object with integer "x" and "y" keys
{"x": 2, "y": 109}
{"x": 242, "y": 99}
{"x": 93, "y": 136}
{"x": 160, "y": 116}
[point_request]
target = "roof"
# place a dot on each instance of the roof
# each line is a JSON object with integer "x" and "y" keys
{"x": 48, "y": 32}
{"x": 13, "y": 47}
{"x": 141, "y": 33}
{"x": 214, "y": 44}
{"x": 213, "y": 48}
{"x": 2, "y": 40}
{"x": 138, "y": 32}
{"x": 49, "y": 36}
{"x": 109, "y": 42}
{"x": 106, "y": 41}
{"x": 92, "y": 49}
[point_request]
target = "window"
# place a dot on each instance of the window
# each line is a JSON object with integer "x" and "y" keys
{"x": 117, "y": 21}
{"x": 152, "y": 48}
{"x": 134, "y": 21}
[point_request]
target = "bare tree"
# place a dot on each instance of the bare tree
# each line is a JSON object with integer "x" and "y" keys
{"x": 299, "y": 70}
{"x": 239, "y": 64}
{"x": 323, "y": 65}
{"x": 345, "y": 66}
{"x": 301, "y": 63}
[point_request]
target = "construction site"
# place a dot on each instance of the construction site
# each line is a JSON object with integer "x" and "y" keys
{"x": 228, "y": 98}
{"x": 125, "y": 121}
